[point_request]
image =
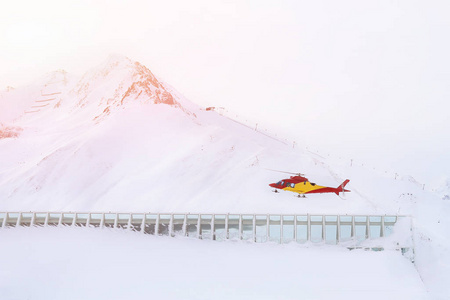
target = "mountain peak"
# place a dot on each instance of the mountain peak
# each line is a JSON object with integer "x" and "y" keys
{"x": 111, "y": 85}
{"x": 118, "y": 81}
{"x": 114, "y": 60}
{"x": 116, "y": 57}
{"x": 113, "y": 63}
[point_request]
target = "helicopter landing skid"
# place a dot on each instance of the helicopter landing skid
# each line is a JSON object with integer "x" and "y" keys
{"x": 300, "y": 196}
{"x": 275, "y": 191}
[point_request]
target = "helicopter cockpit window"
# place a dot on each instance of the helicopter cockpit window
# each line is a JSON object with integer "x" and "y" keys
{"x": 282, "y": 183}
{"x": 292, "y": 185}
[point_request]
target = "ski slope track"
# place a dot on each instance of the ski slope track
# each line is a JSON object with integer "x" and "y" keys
{"x": 120, "y": 139}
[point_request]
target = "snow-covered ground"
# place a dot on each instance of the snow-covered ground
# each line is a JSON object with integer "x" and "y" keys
{"x": 119, "y": 139}
{"x": 86, "y": 263}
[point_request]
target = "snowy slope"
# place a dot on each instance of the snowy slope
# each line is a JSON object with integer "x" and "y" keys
{"x": 119, "y": 139}
{"x": 84, "y": 263}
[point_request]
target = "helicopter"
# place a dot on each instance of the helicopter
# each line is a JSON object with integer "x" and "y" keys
{"x": 301, "y": 185}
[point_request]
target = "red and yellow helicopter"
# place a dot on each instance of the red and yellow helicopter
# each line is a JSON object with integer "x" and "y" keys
{"x": 301, "y": 185}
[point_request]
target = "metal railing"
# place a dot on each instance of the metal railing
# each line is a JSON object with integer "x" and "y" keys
{"x": 351, "y": 230}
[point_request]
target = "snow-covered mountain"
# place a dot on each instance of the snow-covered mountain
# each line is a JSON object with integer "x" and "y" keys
{"x": 120, "y": 139}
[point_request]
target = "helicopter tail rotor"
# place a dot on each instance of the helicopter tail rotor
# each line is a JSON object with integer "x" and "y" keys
{"x": 341, "y": 188}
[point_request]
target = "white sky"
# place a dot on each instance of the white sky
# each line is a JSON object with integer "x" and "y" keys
{"x": 362, "y": 79}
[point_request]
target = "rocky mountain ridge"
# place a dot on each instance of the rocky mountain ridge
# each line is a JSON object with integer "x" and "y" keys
{"x": 115, "y": 83}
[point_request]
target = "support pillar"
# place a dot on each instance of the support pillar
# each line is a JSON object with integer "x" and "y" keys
{"x": 60, "y": 219}
{"x": 199, "y": 226}
{"x": 308, "y": 227}
{"x": 171, "y": 225}
{"x": 227, "y": 233}
{"x": 19, "y": 218}
{"x": 367, "y": 227}
{"x": 116, "y": 220}
{"x": 185, "y": 226}
{"x": 143, "y": 224}
{"x": 281, "y": 229}
{"x": 338, "y": 230}
{"x": 88, "y": 220}
{"x": 240, "y": 227}
{"x": 324, "y": 235}
{"x": 102, "y": 221}
{"x": 46, "y": 219}
{"x": 33, "y": 218}
{"x": 4, "y": 220}
{"x": 213, "y": 228}
{"x": 353, "y": 228}
{"x": 295, "y": 228}
{"x": 130, "y": 216}
{"x": 157, "y": 225}
{"x": 254, "y": 229}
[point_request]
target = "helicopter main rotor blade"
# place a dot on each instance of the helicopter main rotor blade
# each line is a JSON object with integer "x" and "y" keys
{"x": 292, "y": 173}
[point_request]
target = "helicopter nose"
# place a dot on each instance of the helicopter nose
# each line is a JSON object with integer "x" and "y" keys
{"x": 272, "y": 185}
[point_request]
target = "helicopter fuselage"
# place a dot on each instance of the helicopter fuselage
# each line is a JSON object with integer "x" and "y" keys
{"x": 301, "y": 185}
